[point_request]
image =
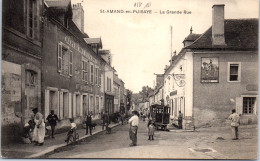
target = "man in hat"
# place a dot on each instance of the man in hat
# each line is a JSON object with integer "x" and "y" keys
{"x": 39, "y": 129}
{"x": 133, "y": 121}
{"x": 89, "y": 123}
{"x": 52, "y": 119}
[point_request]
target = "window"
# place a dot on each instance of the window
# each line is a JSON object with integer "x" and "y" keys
{"x": 234, "y": 72}
{"x": 32, "y": 14}
{"x": 97, "y": 105}
{"x": 96, "y": 76}
{"x": 99, "y": 78}
{"x": 30, "y": 77}
{"x": 64, "y": 60}
{"x": 108, "y": 84}
{"x": 92, "y": 74}
{"x": 91, "y": 107}
{"x": 248, "y": 105}
{"x": 85, "y": 70}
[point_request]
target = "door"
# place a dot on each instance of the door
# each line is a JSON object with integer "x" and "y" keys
{"x": 31, "y": 92}
{"x": 85, "y": 104}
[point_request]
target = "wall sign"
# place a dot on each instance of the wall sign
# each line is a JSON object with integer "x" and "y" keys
{"x": 209, "y": 70}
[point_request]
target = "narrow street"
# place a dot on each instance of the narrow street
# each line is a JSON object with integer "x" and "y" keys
{"x": 205, "y": 143}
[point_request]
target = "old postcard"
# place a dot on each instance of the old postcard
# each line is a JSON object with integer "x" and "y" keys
{"x": 124, "y": 79}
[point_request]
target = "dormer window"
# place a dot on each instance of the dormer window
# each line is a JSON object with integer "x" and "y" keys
{"x": 94, "y": 47}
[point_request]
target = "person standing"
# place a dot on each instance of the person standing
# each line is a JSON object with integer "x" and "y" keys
{"x": 180, "y": 117}
{"x": 105, "y": 119}
{"x": 150, "y": 126}
{"x": 39, "y": 130}
{"x": 234, "y": 117}
{"x": 133, "y": 121}
{"x": 89, "y": 123}
{"x": 122, "y": 117}
{"x": 52, "y": 119}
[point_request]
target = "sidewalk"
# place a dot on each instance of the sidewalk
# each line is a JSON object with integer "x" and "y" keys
{"x": 32, "y": 151}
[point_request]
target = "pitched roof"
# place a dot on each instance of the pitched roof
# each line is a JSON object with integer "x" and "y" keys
{"x": 104, "y": 51}
{"x": 93, "y": 41}
{"x": 240, "y": 34}
{"x": 57, "y": 3}
{"x": 192, "y": 37}
{"x": 176, "y": 59}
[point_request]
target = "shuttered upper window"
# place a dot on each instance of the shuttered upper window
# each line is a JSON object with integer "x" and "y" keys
{"x": 65, "y": 60}
{"x": 85, "y": 70}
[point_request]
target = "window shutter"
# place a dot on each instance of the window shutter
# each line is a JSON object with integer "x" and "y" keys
{"x": 61, "y": 106}
{"x": 99, "y": 77}
{"x": 239, "y": 105}
{"x": 70, "y": 67}
{"x": 59, "y": 57}
{"x": 255, "y": 106}
{"x": 87, "y": 73}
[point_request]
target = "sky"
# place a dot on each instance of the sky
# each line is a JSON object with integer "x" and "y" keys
{"x": 141, "y": 43}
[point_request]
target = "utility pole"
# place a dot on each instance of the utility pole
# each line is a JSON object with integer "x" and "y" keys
{"x": 171, "y": 44}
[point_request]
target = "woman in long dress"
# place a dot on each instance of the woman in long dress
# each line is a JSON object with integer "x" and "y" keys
{"x": 39, "y": 129}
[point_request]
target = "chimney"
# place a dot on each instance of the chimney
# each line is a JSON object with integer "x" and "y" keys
{"x": 218, "y": 36}
{"x": 78, "y": 16}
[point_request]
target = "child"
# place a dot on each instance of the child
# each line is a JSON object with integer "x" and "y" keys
{"x": 27, "y": 130}
{"x": 150, "y": 126}
{"x": 72, "y": 129}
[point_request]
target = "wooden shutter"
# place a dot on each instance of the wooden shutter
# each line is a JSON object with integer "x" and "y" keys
{"x": 59, "y": 57}
{"x": 71, "y": 60}
{"x": 70, "y": 105}
{"x": 47, "y": 101}
{"x": 239, "y": 105}
{"x": 83, "y": 70}
{"x": 99, "y": 77}
{"x": 61, "y": 106}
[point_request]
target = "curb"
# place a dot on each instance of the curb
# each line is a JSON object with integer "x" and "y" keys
{"x": 55, "y": 147}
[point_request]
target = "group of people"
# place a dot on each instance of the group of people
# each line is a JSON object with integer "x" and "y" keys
{"x": 134, "y": 122}
{"x": 37, "y": 125}
{"x": 34, "y": 130}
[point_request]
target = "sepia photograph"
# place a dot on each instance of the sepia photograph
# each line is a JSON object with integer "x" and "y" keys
{"x": 125, "y": 79}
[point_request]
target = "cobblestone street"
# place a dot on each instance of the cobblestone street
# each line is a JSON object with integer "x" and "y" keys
{"x": 205, "y": 143}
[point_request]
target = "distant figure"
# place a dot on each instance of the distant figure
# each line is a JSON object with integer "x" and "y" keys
{"x": 234, "y": 117}
{"x": 180, "y": 117}
{"x": 89, "y": 123}
{"x": 133, "y": 121}
{"x": 52, "y": 119}
{"x": 122, "y": 117}
{"x": 39, "y": 130}
{"x": 105, "y": 118}
{"x": 151, "y": 128}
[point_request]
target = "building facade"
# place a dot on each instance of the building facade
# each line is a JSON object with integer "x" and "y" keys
{"x": 218, "y": 72}
{"x": 21, "y": 64}
{"x": 73, "y": 71}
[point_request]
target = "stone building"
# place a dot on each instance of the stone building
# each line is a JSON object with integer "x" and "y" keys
{"x": 73, "y": 70}
{"x": 225, "y": 70}
{"x": 216, "y": 72}
{"x": 21, "y": 64}
{"x": 108, "y": 81}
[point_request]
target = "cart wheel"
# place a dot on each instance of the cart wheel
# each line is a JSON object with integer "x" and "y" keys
{"x": 70, "y": 139}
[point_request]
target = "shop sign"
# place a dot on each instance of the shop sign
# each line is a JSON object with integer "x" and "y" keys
{"x": 173, "y": 93}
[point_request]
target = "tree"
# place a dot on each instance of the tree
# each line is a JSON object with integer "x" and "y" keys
{"x": 146, "y": 90}
{"x": 129, "y": 99}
